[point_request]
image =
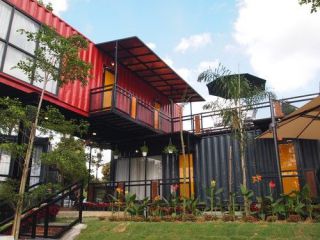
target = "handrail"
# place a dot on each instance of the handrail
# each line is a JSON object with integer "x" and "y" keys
{"x": 150, "y": 107}
{"x": 128, "y": 94}
{"x": 205, "y": 115}
{"x": 6, "y": 221}
{"x": 146, "y": 114}
{"x": 107, "y": 186}
{"x": 169, "y": 122}
{"x": 33, "y": 186}
{"x": 251, "y": 107}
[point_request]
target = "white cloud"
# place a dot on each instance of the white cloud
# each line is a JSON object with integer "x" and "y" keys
{"x": 168, "y": 61}
{"x": 151, "y": 45}
{"x": 59, "y": 6}
{"x": 193, "y": 42}
{"x": 281, "y": 39}
{"x": 185, "y": 73}
{"x": 205, "y": 65}
{"x": 191, "y": 75}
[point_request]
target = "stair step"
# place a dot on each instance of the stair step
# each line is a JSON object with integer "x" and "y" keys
{"x": 52, "y": 230}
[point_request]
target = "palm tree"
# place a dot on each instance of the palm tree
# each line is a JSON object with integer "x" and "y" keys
{"x": 237, "y": 96}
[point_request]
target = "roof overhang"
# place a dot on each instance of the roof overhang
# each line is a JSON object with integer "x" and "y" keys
{"x": 135, "y": 55}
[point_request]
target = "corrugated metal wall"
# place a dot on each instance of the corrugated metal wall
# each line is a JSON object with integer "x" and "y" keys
{"x": 212, "y": 154}
{"x": 170, "y": 170}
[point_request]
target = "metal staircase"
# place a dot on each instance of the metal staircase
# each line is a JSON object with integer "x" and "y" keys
{"x": 52, "y": 217}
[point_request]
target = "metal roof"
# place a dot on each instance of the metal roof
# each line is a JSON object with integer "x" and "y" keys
{"x": 141, "y": 60}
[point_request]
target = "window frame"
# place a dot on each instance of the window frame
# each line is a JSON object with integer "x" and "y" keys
{"x": 7, "y": 44}
{"x": 5, "y": 176}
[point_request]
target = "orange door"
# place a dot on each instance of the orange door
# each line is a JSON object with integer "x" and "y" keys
{"x": 186, "y": 190}
{"x": 157, "y": 108}
{"x": 197, "y": 124}
{"x": 108, "y": 83}
{"x": 288, "y": 163}
{"x": 133, "y": 113}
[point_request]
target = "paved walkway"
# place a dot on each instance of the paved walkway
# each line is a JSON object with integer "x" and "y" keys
{"x": 73, "y": 232}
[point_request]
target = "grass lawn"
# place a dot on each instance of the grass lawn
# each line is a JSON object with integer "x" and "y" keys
{"x": 210, "y": 230}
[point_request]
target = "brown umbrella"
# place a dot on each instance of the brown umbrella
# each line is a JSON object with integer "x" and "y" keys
{"x": 304, "y": 123}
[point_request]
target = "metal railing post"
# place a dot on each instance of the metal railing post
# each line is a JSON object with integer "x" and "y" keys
{"x": 34, "y": 225}
{"x": 46, "y": 222}
{"x": 145, "y": 176}
{"x": 81, "y": 203}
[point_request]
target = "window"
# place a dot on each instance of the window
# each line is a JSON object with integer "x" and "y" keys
{"x": 12, "y": 58}
{"x": 5, "y": 13}
{"x": 1, "y": 51}
{"x": 16, "y": 46}
{"x": 51, "y": 85}
{"x": 5, "y": 160}
{"x": 35, "y": 170}
{"x": 20, "y": 40}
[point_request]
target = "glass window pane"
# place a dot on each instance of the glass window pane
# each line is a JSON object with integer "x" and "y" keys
{"x": 35, "y": 170}
{"x": 51, "y": 85}
{"x": 5, "y": 11}
{"x": 13, "y": 56}
{"x": 1, "y": 50}
{"x": 20, "y": 21}
{"x": 51, "y": 56}
{"x": 5, "y": 160}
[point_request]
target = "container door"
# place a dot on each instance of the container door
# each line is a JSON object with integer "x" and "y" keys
{"x": 289, "y": 173}
{"x": 186, "y": 190}
{"x": 133, "y": 112}
{"x": 157, "y": 108}
{"x": 107, "y": 94}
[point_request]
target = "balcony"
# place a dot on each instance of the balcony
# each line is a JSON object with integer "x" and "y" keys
{"x": 118, "y": 113}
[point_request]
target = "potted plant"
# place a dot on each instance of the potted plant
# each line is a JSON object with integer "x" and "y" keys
{"x": 144, "y": 150}
{"x": 116, "y": 153}
{"x": 170, "y": 149}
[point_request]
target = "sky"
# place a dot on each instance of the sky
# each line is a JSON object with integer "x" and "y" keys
{"x": 272, "y": 39}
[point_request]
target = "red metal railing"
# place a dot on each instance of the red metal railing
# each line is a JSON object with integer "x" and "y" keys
{"x": 210, "y": 121}
{"x": 200, "y": 123}
{"x": 102, "y": 99}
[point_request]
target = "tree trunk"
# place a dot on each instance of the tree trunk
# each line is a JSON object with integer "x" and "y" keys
{"x": 230, "y": 172}
{"x": 25, "y": 170}
{"x": 244, "y": 170}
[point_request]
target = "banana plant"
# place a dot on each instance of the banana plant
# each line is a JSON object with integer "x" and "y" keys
{"x": 213, "y": 193}
{"x": 115, "y": 202}
{"x": 191, "y": 205}
{"x": 247, "y": 195}
{"x": 133, "y": 207}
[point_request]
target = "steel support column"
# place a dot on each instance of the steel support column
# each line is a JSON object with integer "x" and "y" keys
{"x": 275, "y": 142}
{"x": 145, "y": 176}
{"x": 114, "y": 90}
